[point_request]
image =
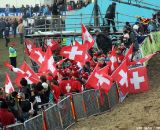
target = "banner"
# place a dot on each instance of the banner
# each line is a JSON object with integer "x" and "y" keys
{"x": 151, "y": 44}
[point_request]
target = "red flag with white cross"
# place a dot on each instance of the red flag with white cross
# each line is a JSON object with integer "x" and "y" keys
{"x": 37, "y": 55}
{"x": 142, "y": 60}
{"x": 138, "y": 80}
{"x": 48, "y": 65}
{"x": 29, "y": 46}
{"x": 120, "y": 75}
{"x": 99, "y": 80}
{"x": 8, "y": 85}
{"x": 129, "y": 54}
{"x": 76, "y": 53}
{"x": 29, "y": 75}
{"x": 113, "y": 64}
{"x": 87, "y": 38}
{"x": 52, "y": 44}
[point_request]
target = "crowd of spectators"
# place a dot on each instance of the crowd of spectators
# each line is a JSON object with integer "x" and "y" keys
{"x": 26, "y": 102}
{"x": 54, "y": 9}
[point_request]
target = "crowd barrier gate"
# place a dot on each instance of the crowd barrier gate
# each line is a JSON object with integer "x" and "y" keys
{"x": 62, "y": 115}
{"x": 91, "y": 102}
{"x": 66, "y": 112}
{"x": 35, "y": 123}
{"x": 53, "y": 118}
{"x": 79, "y": 105}
{"x": 113, "y": 96}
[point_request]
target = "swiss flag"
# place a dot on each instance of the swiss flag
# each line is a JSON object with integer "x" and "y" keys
{"x": 138, "y": 81}
{"x": 29, "y": 75}
{"x": 87, "y": 38}
{"x": 8, "y": 85}
{"x": 12, "y": 68}
{"x": 52, "y": 44}
{"x": 99, "y": 80}
{"x": 76, "y": 53}
{"x": 113, "y": 64}
{"x": 142, "y": 60}
{"x": 129, "y": 54}
{"x": 29, "y": 46}
{"x": 120, "y": 75}
{"x": 37, "y": 55}
{"x": 87, "y": 56}
{"x": 48, "y": 65}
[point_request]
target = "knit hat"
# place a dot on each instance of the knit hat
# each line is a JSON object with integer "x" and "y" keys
{"x": 45, "y": 85}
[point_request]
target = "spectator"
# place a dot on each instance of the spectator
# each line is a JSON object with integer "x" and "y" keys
{"x": 14, "y": 27}
{"x": 110, "y": 15}
{"x": 104, "y": 43}
{"x": 21, "y": 30}
{"x": 25, "y": 105}
{"x": 25, "y": 88}
{"x": 6, "y": 117}
{"x": 7, "y": 10}
{"x": 14, "y": 9}
{"x": 6, "y": 32}
{"x": 54, "y": 9}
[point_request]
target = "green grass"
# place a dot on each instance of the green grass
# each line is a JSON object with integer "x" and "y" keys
{"x": 4, "y": 56}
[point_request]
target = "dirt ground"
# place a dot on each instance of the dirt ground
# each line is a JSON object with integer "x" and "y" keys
{"x": 140, "y": 110}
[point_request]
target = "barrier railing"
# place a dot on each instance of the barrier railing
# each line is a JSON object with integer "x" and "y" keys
{"x": 65, "y": 113}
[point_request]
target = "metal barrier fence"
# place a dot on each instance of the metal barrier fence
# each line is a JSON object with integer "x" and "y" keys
{"x": 66, "y": 112}
{"x": 16, "y": 127}
{"x": 53, "y": 118}
{"x": 35, "y": 123}
{"x": 70, "y": 109}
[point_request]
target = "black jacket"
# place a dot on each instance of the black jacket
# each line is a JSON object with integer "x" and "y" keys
{"x": 104, "y": 43}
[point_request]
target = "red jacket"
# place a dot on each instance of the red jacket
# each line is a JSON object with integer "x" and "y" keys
{"x": 66, "y": 86}
{"x": 6, "y": 117}
{"x": 77, "y": 86}
{"x": 56, "y": 92}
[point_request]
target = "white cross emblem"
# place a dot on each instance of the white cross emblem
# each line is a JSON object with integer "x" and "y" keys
{"x": 68, "y": 88}
{"x": 136, "y": 80}
{"x": 73, "y": 52}
{"x": 50, "y": 64}
{"x": 9, "y": 88}
{"x": 41, "y": 58}
{"x": 124, "y": 78}
{"x": 28, "y": 76}
{"x": 101, "y": 79}
{"x": 113, "y": 60}
{"x": 87, "y": 36}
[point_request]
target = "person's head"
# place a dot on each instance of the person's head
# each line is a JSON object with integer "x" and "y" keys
{"x": 127, "y": 23}
{"x": 39, "y": 87}
{"x": 97, "y": 32}
{"x": 114, "y": 4}
{"x": 23, "y": 82}
{"x": 45, "y": 86}
{"x": 43, "y": 78}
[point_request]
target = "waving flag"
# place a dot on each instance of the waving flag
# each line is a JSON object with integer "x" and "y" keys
{"x": 48, "y": 65}
{"x": 29, "y": 75}
{"x": 76, "y": 53}
{"x": 138, "y": 81}
{"x": 120, "y": 75}
{"x": 29, "y": 46}
{"x": 8, "y": 85}
{"x": 37, "y": 55}
{"x": 87, "y": 38}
